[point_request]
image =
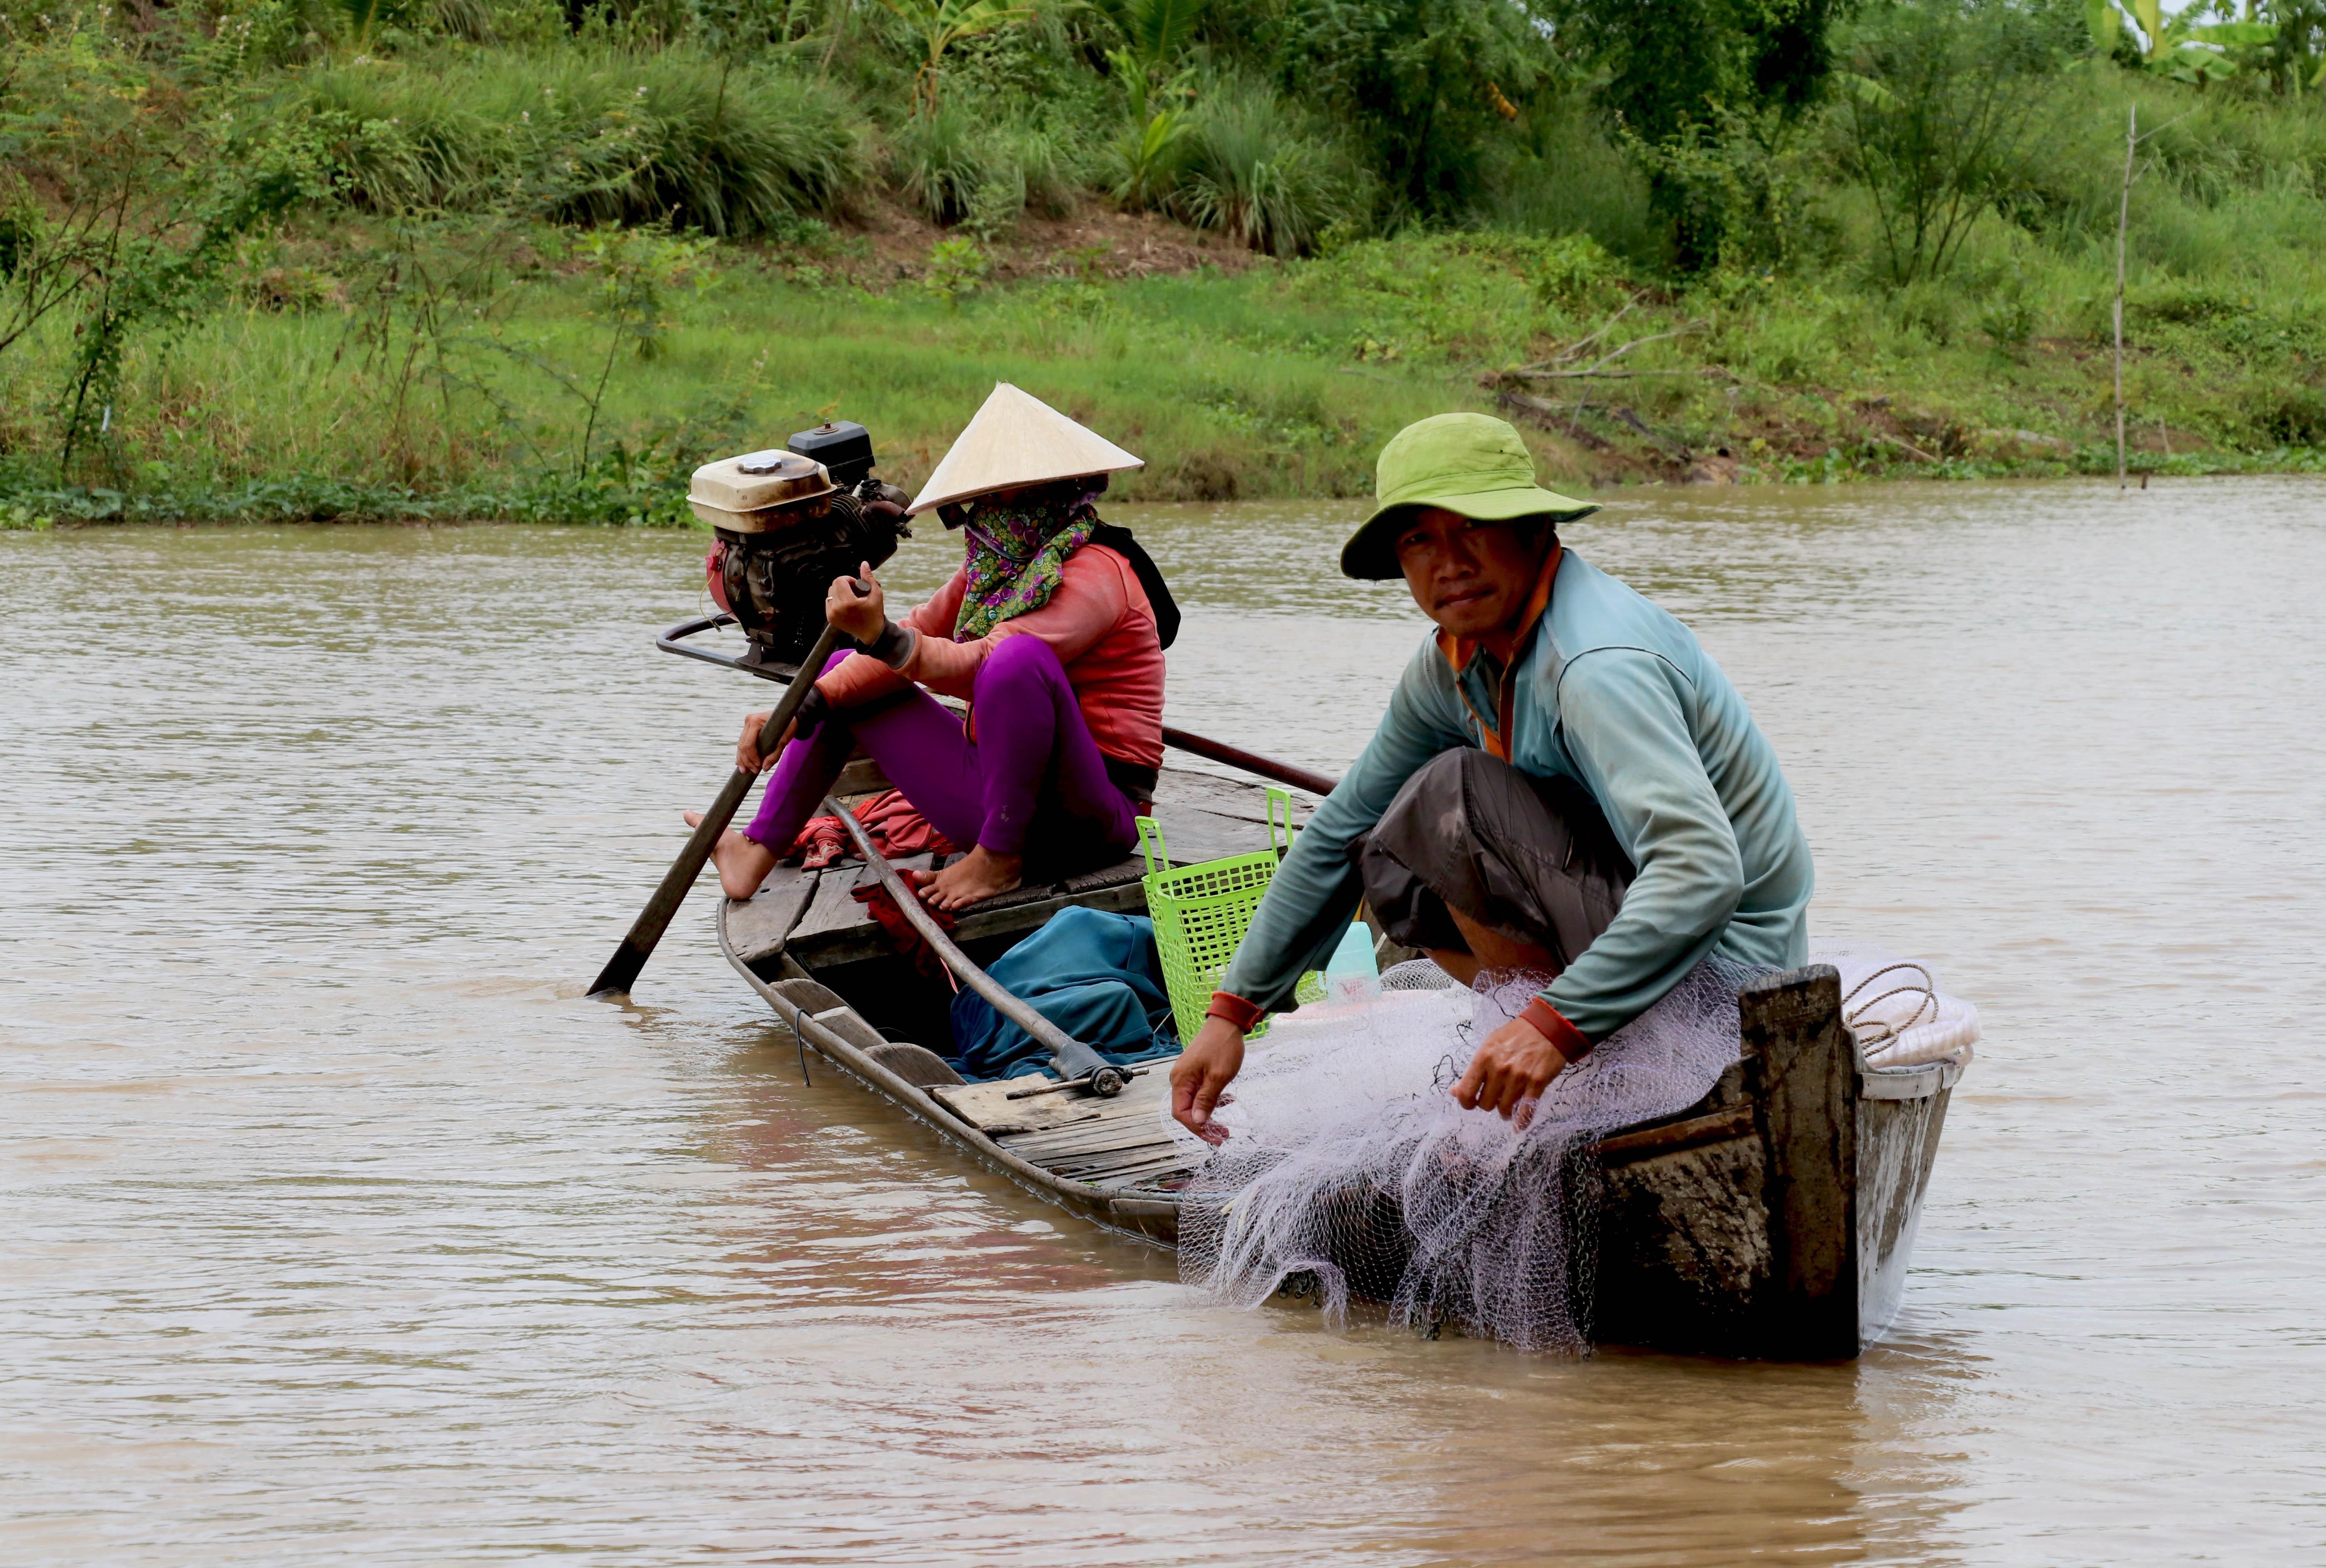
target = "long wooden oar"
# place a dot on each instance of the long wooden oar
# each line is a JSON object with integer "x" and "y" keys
{"x": 621, "y": 970}
{"x": 1078, "y": 1064}
{"x": 1293, "y": 773}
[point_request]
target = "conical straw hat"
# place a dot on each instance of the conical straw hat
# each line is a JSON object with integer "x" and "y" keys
{"x": 1017, "y": 439}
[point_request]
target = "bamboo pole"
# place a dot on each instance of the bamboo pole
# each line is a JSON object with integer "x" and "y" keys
{"x": 1299, "y": 777}
{"x": 2122, "y": 223}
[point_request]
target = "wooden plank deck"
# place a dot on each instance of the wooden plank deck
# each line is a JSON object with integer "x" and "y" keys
{"x": 1113, "y": 1145}
{"x": 811, "y": 920}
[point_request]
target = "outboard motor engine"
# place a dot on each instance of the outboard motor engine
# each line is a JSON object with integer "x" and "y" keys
{"x": 788, "y": 522}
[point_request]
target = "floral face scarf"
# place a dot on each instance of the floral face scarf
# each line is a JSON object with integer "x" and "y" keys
{"x": 1019, "y": 542}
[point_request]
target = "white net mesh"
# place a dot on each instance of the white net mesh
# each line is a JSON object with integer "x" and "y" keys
{"x": 1349, "y": 1169}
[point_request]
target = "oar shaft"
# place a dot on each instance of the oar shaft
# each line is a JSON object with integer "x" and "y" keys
{"x": 1073, "y": 1058}
{"x": 1299, "y": 777}
{"x": 621, "y": 970}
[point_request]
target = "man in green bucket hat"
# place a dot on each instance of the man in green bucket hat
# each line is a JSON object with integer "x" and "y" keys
{"x": 1564, "y": 782}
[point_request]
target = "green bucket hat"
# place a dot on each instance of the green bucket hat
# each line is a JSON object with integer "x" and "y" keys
{"x": 1469, "y": 463}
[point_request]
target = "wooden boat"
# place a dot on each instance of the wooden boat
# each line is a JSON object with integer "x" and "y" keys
{"x": 1775, "y": 1218}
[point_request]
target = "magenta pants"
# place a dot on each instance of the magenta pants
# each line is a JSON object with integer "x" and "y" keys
{"x": 1032, "y": 762}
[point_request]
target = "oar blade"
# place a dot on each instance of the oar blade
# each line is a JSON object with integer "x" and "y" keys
{"x": 621, "y": 970}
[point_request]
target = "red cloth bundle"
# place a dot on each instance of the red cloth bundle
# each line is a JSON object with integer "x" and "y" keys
{"x": 901, "y": 936}
{"x": 897, "y": 830}
{"x": 821, "y": 841}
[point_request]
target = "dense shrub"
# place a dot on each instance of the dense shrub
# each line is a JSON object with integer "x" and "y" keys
{"x": 938, "y": 161}
{"x": 958, "y": 165}
{"x": 670, "y": 135}
{"x": 1684, "y": 78}
{"x": 1943, "y": 108}
{"x": 1252, "y": 171}
{"x": 2293, "y": 416}
{"x": 1429, "y": 89}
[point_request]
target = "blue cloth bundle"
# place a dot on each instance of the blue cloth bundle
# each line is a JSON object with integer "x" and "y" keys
{"x": 1092, "y": 974}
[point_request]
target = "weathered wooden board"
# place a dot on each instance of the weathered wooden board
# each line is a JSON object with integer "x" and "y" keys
{"x": 861, "y": 777}
{"x": 978, "y": 924}
{"x": 1124, "y": 1144}
{"x": 836, "y": 909}
{"x": 1103, "y": 1134}
{"x": 1113, "y": 1176}
{"x": 1684, "y": 1245}
{"x": 1193, "y": 833}
{"x": 988, "y": 1108}
{"x": 758, "y": 927}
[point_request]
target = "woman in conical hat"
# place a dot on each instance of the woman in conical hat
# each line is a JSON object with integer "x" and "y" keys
{"x": 1050, "y": 636}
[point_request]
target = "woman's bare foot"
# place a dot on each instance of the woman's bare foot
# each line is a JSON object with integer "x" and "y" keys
{"x": 979, "y": 874}
{"x": 743, "y": 862}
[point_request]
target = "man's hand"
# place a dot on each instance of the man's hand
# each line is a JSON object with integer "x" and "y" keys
{"x": 861, "y": 618}
{"x": 1514, "y": 1065}
{"x": 1201, "y": 1076}
{"x": 747, "y": 750}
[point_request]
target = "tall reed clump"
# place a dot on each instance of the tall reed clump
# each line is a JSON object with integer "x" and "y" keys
{"x": 937, "y": 158}
{"x": 674, "y": 136}
{"x": 958, "y": 164}
{"x": 1252, "y": 171}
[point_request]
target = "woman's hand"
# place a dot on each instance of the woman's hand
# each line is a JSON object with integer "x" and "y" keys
{"x": 747, "y": 750}
{"x": 1514, "y": 1066}
{"x": 861, "y": 618}
{"x": 1200, "y": 1077}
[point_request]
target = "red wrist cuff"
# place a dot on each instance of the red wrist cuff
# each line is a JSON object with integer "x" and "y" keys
{"x": 1245, "y": 1015}
{"x": 1551, "y": 1024}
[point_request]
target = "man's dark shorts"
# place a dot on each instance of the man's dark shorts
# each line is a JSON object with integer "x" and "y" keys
{"x": 1532, "y": 857}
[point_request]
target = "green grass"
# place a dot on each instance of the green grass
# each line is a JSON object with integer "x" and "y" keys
{"x": 301, "y": 382}
{"x": 1282, "y": 381}
{"x": 674, "y": 135}
{"x": 424, "y": 331}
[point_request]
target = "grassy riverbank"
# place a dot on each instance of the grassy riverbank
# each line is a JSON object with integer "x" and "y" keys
{"x": 1273, "y": 380}
{"x": 350, "y": 278}
{"x": 1267, "y": 380}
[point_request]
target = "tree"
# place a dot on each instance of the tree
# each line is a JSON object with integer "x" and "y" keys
{"x": 1683, "y": 76}
{"x": 1940, "y": 118}
{"x": 2294, "y": 55}
{"x": 942, "y": 23}
{"x": 1429, "y": 86}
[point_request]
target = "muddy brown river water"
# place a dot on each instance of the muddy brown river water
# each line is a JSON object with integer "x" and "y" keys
{"x": 336, "y": 1227}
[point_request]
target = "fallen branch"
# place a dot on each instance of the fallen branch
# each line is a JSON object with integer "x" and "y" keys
{"x": 1593, "y": 375}
{"x": 1575, "y": 349}
{"x": 1904, "y": 446}
{"x": 1546, "y": 411}
{"x": 1546, "y": 371}
{"x": 1673, "y": 448}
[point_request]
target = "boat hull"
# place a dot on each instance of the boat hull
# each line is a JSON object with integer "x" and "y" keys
{"x": 1774, "y": 1219}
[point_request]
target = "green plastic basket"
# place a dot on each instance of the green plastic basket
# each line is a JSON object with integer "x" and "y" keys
{"x": 1201, "y": 913}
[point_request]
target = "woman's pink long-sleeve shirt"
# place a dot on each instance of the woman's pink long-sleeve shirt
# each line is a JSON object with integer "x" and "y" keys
{"x": 1099, "y": 623}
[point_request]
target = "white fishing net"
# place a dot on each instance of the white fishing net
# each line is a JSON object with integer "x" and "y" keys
{"x": 1350, "y": 1170}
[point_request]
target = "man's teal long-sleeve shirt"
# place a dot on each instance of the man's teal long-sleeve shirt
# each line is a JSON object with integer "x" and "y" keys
{"x": 1617, "y": 695}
